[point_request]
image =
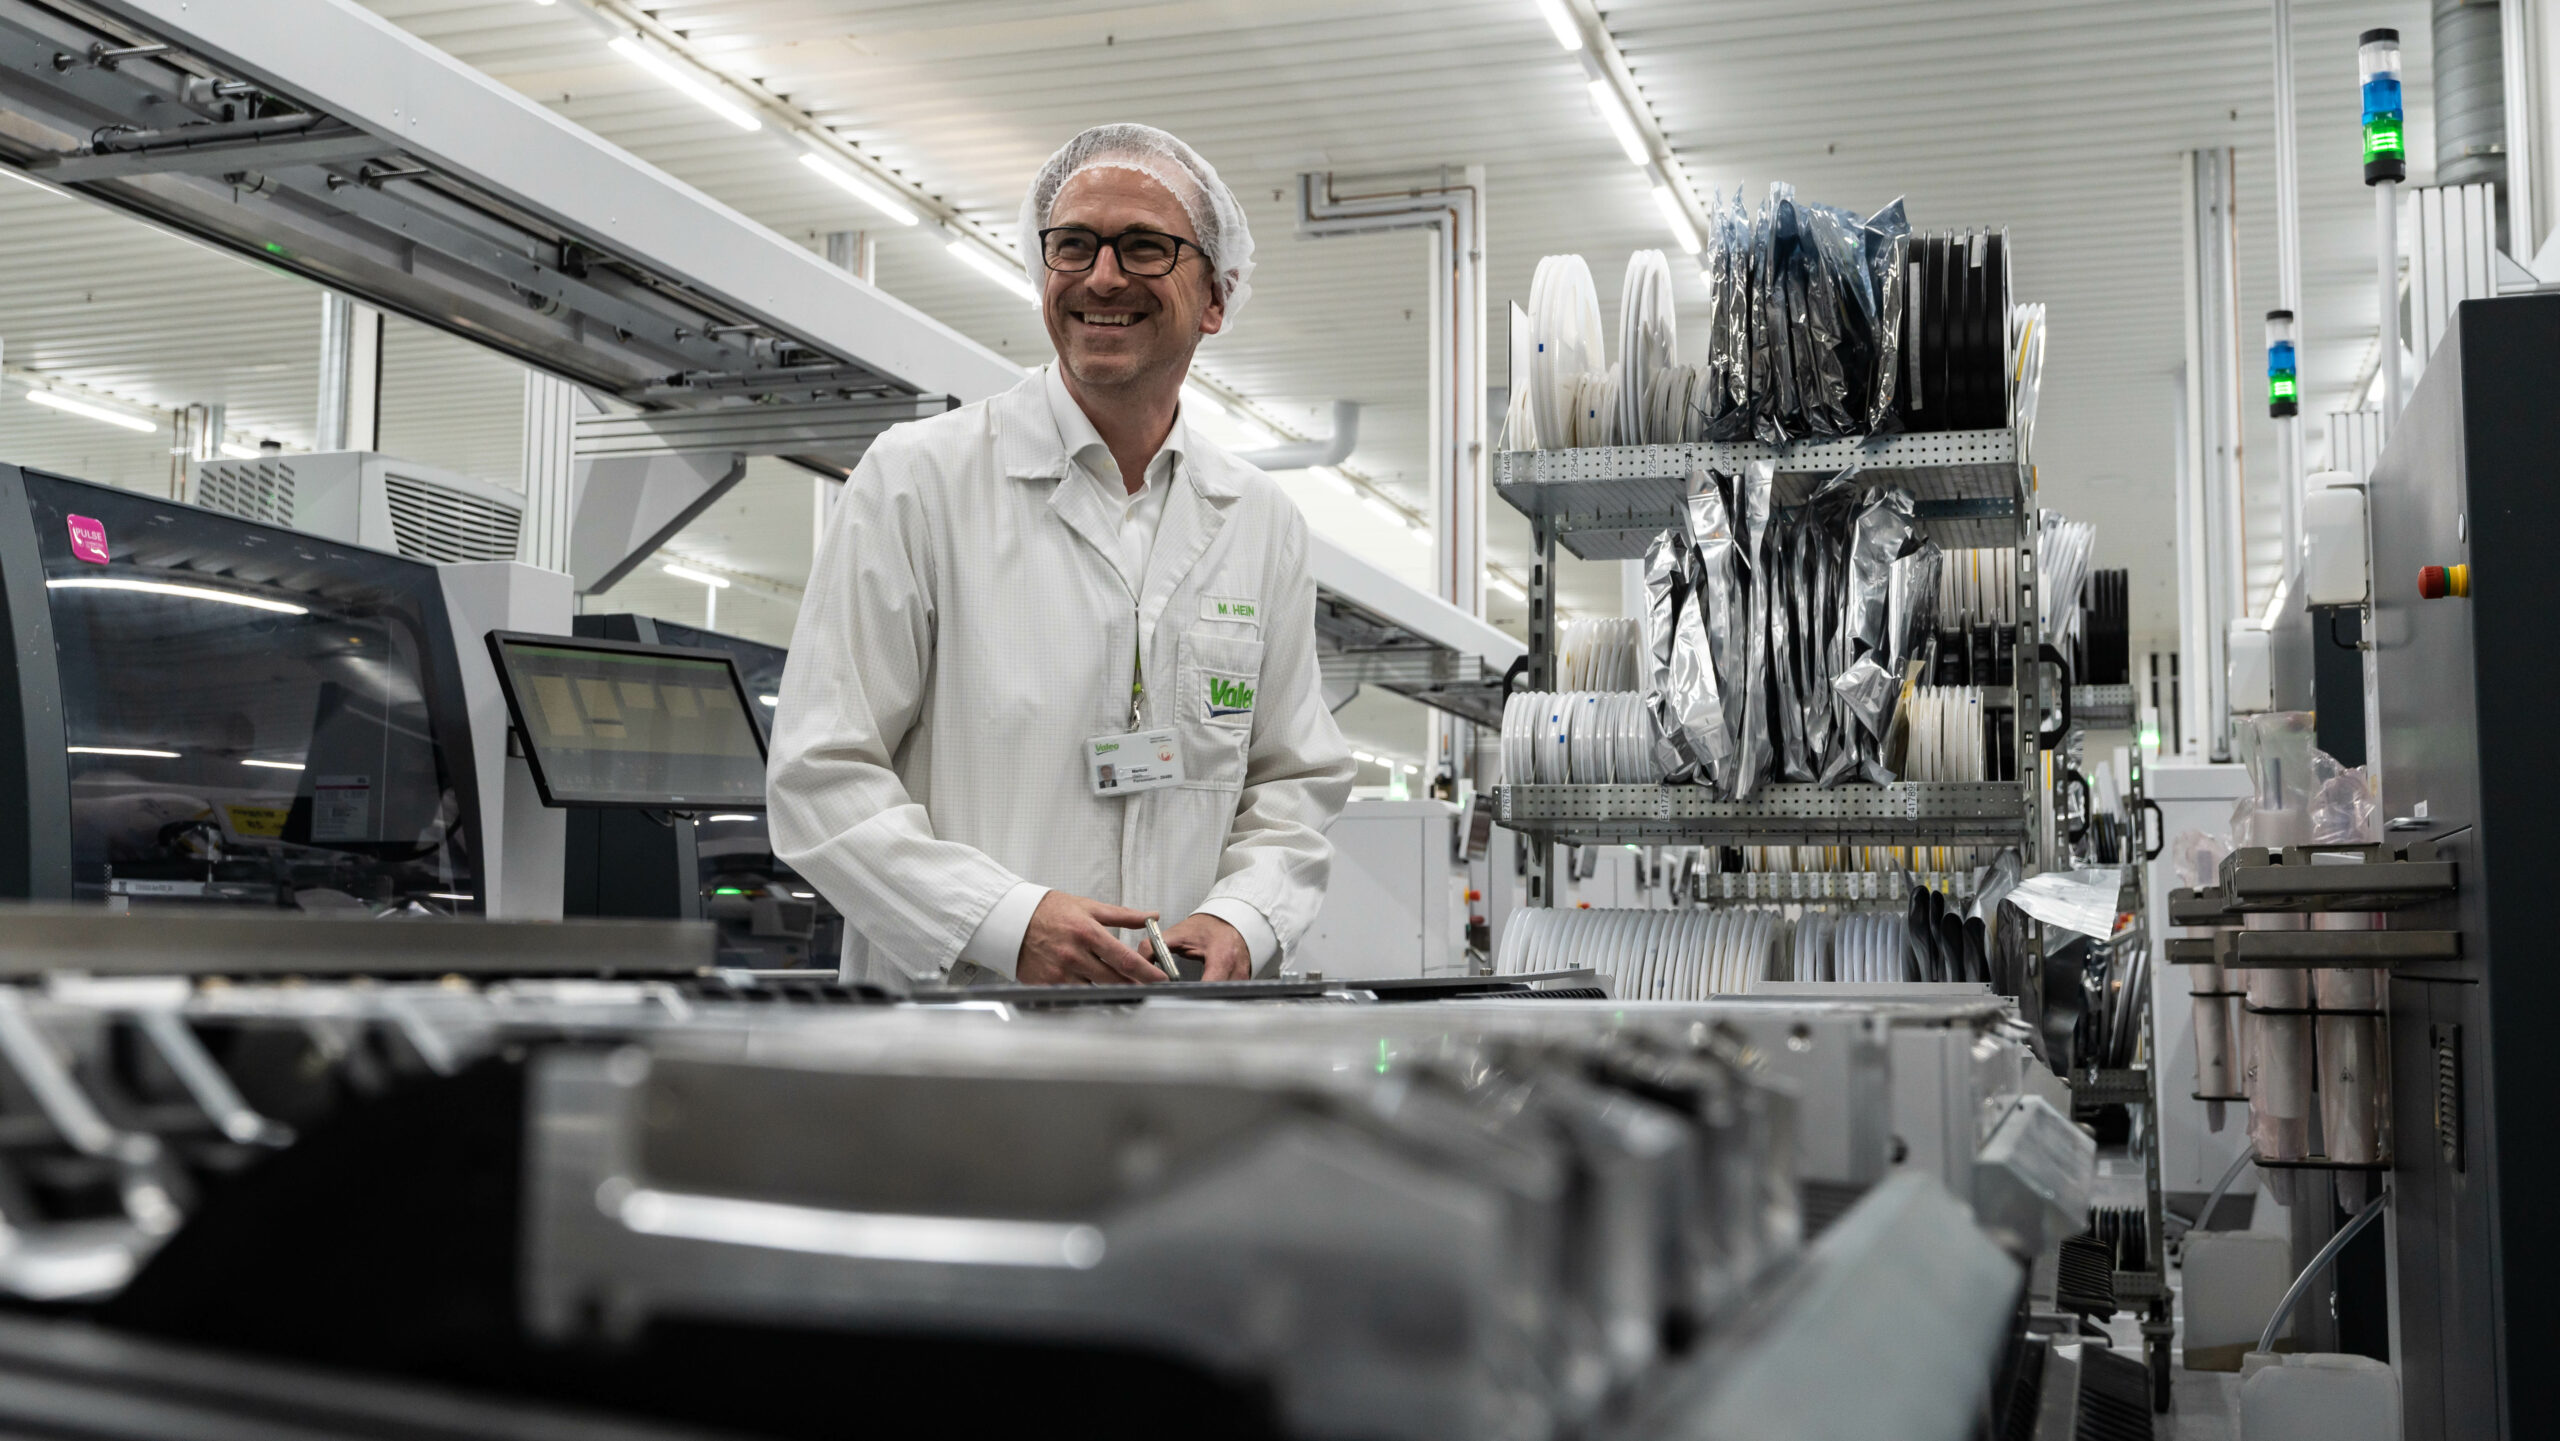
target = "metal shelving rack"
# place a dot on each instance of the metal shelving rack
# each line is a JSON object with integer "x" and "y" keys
{"x": 1972, "y": 488}
{"x": 2147, "y": 1289}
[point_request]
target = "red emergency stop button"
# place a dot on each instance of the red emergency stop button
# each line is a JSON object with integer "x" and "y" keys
{"x": 2435, "y": 582}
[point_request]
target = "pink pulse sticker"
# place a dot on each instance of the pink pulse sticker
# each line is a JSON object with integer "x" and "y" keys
{"x": 89, "y": 539}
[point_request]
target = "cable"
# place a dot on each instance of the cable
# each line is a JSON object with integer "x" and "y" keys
{"x": 2214, "y": 1197}
{"x": 2328, "y": 1253}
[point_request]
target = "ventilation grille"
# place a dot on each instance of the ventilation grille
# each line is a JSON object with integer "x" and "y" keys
{"x": 429, "y": 522}
{"x": 256, "y": 489}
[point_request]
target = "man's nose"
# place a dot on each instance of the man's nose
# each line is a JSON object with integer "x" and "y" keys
{"x": 1106, "y": 277}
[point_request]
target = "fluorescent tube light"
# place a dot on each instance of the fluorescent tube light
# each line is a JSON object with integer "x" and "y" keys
{"x": 697, "y": 577}
{"x": 183, "y": 592}
{"x": 733, "y": 817}
{"x": 234, "y": 450}
{"x": 275, "y": 765}
{"x": 773, "y": 700}
{"x": 630, "y": 48}
{"x": 843, "y": 178}
{"x": 1335, "y": 479}
{"x": 56, "y": 400}
{"x": 1621, "y": 124}
{"x": 1560, "y": 20}
{"x": 1383, "y": 510}
{"x": 1507, "y": 586}
{"x": 459, "y": 895}
{"x": 121, "y": 751}
{"x": 976, "y": 258}
{"x": 1676, "y": 218}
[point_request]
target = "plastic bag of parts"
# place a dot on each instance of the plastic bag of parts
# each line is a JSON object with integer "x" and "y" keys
{"x": 1911, "y": 603}
{"x": 2344, "y": 809}
{"x": 1830, "y": 518}
{"x": 1727, "y": 409}
{"x": 2082, "y": 902}
{"x": 1840, "y": 313}
{"x": 1776, "y": 576}
{"x": 2276, "y": 748}
{"x": 1774, "y": 397}
{"x": 1888, "y": 246}
{"x": 1756, "y": 490}
{"x": 1709, "y": 628}
{"x": 1666, "y": 593}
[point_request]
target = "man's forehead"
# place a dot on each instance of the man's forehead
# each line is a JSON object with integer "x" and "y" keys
{"x": 1124, "y": 196}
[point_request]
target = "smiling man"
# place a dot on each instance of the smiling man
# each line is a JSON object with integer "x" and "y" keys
{"x": 1055, "y": 673}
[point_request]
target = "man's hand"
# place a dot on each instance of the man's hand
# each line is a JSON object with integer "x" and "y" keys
{"x": 1218, "y": 945}
{"x": 1069, "y": 942}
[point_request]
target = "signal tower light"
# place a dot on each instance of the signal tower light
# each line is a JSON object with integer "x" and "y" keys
{"x": 2378, "y": 68}
{"x": 2284, "y": 392}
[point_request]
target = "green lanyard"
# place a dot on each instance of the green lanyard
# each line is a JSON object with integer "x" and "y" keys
{"x": 1137, "y": 684}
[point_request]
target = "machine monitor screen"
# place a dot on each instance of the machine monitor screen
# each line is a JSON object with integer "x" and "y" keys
{"x": 612, "y": 723}
{"x": 252, "y": 717}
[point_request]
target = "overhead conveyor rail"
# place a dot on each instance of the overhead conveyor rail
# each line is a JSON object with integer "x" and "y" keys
{"x": 314, "y": 136}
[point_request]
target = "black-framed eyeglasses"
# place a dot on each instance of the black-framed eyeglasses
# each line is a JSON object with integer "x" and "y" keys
{"x": 1073, "y": 249}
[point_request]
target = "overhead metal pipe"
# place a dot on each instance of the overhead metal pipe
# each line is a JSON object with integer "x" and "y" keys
{"x": 1333, "y": 449}
{"x": 2289, "y": 462}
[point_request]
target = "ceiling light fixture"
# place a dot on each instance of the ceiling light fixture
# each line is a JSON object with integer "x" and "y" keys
{"x": 1508, "y": 586}
{"x": 731, "y": 817}
{"x": 121, "y": 751}
{"x": 630, "y": 48}
{"x": 772, "y": 700}
{"x": 859, "y": 188}
{"x": 1676, "y": 218}
{"x": 697, "y": 577}
{"x": 56, "y": 400}
{"x": 275, "y": 765}
{"x": 234, "y": 450}
{"x": 976, "y": 258}
{"x": 1622, "y": 125}
{"x": 1560, "y": 20}
{"x": 183, "y": 592}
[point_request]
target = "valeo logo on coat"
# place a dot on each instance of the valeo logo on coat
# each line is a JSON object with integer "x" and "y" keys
{"x": 1228, "y": 697}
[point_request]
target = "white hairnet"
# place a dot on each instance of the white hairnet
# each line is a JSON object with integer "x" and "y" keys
{"x": 1215, "y": 216}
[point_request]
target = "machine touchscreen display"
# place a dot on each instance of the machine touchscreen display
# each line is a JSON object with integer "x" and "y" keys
{"x": 611, "y": 723}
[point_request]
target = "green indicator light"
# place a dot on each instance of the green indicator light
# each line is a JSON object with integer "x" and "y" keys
{"x": 1382, "y": 1055}
{"x": 728, "y": 891}
{"x": 275, "y": 249}
{"x": 2281, "y": 387}
{"x": 2382, "y": 137}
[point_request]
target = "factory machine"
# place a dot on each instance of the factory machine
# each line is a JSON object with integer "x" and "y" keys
{"x": 2462, "y": 658}
{"x": 718, "y": 866}
{"x": 571, "y": 1168}
{"x": 2451, "y": 905}
{"x": 210, "y": 710}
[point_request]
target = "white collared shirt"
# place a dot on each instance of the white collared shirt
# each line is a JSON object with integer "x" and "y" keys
{"x": 1141, "y": 511}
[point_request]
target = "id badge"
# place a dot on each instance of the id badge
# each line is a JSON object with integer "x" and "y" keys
{"x": 1138, "y": 761}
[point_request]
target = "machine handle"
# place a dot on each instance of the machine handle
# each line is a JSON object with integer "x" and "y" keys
{"x": 2052, "y": 735}
{"x": 2149, "y": 820}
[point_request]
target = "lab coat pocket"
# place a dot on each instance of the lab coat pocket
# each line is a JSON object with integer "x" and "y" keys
{"x": 1220, "y": 676}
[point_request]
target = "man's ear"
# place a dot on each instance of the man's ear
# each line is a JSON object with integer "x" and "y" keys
{"x": 1214, "y": 318}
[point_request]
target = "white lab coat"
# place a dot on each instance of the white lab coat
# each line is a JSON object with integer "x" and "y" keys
{"x": 966, "y": 630}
